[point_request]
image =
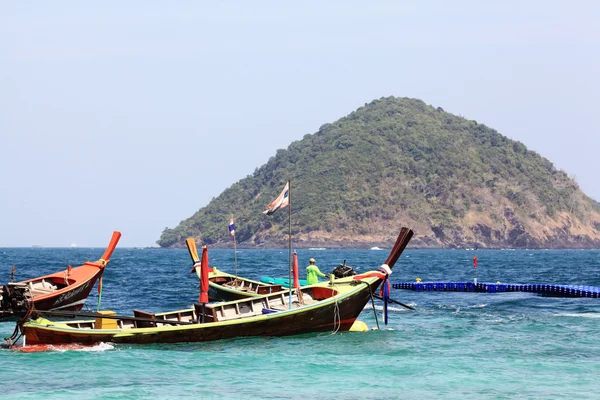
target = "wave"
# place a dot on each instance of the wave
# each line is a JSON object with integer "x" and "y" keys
{"x": 583, "y": 315}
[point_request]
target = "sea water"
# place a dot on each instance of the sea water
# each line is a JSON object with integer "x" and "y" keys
{"x": 454, "y": 345}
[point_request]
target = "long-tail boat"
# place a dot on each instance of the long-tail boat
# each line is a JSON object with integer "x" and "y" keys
{"x": 63, "y": 290}
{"x": 327, "y": 306}
{"x": 226, "y": 287}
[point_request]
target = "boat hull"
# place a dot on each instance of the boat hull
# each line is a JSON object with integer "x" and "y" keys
{"x": 72, "y": 299}
{"x": 332, "y": 316}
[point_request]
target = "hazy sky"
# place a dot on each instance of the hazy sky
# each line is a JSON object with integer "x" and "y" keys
{"x": 133, "y": 115}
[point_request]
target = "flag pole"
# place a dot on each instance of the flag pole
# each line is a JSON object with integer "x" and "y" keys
{"x": 290, "y": 237}
{"x": 235, "y": 256}
{"x": 281, "y": 201}
{"x": 232, "y": 233}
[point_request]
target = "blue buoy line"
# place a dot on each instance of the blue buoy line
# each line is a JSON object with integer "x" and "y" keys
{"x": 541, "y": 289}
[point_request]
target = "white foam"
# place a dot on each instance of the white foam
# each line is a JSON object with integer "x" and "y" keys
{"x": 583, "y": 315}
{"x": 477, "y": 306}
{"x": 94, "y": 349}
{"x": 393, "y": 308}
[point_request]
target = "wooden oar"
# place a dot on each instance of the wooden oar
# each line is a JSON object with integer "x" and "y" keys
{"x": 191, "y": 245}
{"x": 395, "y": 301}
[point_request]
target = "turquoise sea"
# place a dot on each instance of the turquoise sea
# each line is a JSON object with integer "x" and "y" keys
{"x": 455, "y": 345}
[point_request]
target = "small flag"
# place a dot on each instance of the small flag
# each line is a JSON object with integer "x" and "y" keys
{"x": 231, "y": 227}
{"x": 281, "y": 201}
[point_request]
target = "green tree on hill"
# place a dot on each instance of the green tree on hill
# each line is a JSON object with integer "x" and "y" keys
{"x": 398, "y": 161}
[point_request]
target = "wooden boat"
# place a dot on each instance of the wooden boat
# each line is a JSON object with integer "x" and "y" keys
{"x": 327, "y": 306}
{"x": 226, "y": 287}
{"x": 63, "y": 290}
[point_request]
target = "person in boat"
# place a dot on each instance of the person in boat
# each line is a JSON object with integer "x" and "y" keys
{"x": 313, "y": 272}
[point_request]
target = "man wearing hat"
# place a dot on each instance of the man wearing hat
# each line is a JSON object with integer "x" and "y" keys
{"x": 313, "y": 273}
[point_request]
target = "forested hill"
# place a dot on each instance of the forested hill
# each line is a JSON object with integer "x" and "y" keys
{"x": 399, "y": 162}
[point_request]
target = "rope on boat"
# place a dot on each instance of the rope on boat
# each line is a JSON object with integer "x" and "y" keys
{"x": 99, "y": 292}
{"x": 337, "y": 319}
{"x": 372, "y": 303}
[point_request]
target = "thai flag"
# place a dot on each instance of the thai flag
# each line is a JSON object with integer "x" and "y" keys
{"x": 231, "y": 227}
{"x": 281, "y": 201}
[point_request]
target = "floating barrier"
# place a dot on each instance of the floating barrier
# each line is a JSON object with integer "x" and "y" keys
{"x": 541, "y": 289}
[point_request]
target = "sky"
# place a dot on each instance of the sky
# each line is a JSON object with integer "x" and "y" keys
{"x": 133, "y": 115}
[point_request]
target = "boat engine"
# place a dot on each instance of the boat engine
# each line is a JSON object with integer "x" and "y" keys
{"x": 13, "y": 300}
{"x": 343, "y": 270}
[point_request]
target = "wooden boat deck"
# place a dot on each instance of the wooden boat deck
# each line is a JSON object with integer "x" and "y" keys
{"x": 245, "y": 285}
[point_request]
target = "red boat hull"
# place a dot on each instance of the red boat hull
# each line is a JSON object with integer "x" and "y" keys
{"x": 73, "y": 299}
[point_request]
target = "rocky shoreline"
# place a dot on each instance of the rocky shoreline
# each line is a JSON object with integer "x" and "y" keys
{"x": 420, "y": 242}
